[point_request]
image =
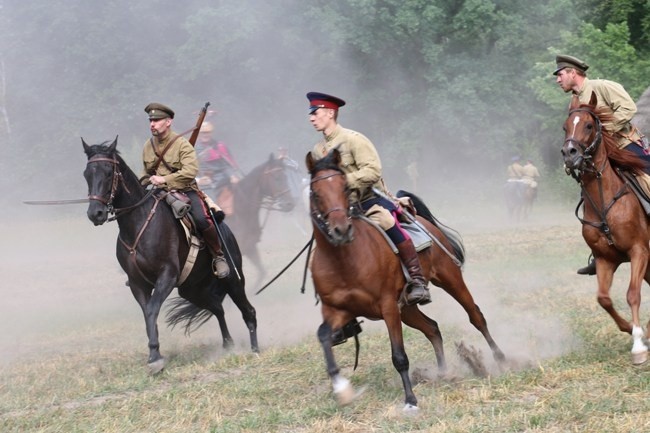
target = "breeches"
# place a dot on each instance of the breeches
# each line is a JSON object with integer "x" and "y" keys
{"x": 199, "y": 211}
{"x": 384, "y": 213}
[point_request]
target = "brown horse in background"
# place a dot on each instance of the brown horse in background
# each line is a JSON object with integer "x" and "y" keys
{"x": 356, "y": 273}
{"x": 614, "y": 224}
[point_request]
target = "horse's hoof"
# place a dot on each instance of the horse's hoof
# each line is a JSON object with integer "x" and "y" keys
{"x": 640, "y": 358}
{"x": 156, "y": 366}
{"x": 410, "y": 409}
{"x": 345, "y": 396}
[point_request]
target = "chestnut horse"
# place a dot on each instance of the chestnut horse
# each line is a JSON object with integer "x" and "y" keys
{"x": 614, "y": 224}
{"x": 356, "y": 273}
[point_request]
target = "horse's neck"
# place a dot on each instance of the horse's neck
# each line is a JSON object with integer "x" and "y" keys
{"x": 603, "y": 185}
{"x": 249, "y": 195}
{"x": 130, "y": 193}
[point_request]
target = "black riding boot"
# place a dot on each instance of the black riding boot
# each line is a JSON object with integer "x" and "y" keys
{"x": 590, "y": 269}
{"x": 219, "y": 264}
{"x": 416, "y": 289}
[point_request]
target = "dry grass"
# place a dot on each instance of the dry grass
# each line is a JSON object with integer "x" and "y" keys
{"x": 569, "y": 368}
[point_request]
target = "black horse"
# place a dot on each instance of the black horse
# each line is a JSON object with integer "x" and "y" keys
{"x": 152, "y": 249}
{"x": 265, "y": 187}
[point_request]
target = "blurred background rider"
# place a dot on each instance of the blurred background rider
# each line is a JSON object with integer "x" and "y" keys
{"x": 218, "y": 168}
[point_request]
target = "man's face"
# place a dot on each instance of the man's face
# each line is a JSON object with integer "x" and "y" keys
{"x": 159, "y": 127}
{"x": 566, "y": 79}
{"x": 322, "y": 118}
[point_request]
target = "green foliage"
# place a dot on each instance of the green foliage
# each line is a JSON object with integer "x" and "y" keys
{"x": 438, "y": 80}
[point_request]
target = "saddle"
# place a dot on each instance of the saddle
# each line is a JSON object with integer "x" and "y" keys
{"x": 640, "y": 185}
{"x": 422, "y": 238}
{"x": 179, "y": 203}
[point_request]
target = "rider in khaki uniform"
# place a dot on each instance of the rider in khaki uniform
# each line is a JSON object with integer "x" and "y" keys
{"x": 515, "y": 170}
{"x": 571, "y": 74}
{"x": 529, "y": 175}
{"x": 362, "y": 166}
{"x": 177, "y": 170}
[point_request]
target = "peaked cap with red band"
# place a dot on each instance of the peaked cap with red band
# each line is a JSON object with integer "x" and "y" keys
{"x": 321, "y": 100}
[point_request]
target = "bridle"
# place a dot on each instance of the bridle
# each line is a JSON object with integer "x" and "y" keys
{"x": 116, "y": 180}
{"x": 587, "y": 165}
{"x": 588, "y": 150}
{"x": 321, "y": 218}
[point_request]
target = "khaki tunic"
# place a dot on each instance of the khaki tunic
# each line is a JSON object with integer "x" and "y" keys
{"x": 618, "y": 102}
{"x": 529, "y": 174}
{"x": 515, "y": 171}
{"x": 181, "y": 157}
{"x": 359, "y": 160}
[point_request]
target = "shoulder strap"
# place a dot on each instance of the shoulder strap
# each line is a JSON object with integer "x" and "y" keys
{"x": 162, "y": 154}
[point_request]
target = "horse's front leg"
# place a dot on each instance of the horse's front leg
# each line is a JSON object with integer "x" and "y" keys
{"x": 639, "y": 264}
{"x": 605, "y": 274}
{"x": 398, "y": 355}
{"x": 341, "y": 386}
{"x": 151, "y": 310}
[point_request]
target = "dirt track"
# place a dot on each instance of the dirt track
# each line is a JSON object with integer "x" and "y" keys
{"x": 73, "y": 286}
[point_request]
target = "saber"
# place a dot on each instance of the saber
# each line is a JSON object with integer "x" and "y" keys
{"x": 224, "y": 246}
{"x": 53, "y": 202}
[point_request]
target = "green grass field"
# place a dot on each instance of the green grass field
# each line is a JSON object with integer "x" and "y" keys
{"x": 74, "y": 348}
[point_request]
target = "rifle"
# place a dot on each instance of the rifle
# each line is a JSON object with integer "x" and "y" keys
{"x": 199, "y": 122}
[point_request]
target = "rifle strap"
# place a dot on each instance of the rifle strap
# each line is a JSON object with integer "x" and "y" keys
{"x": 162, "y": 154}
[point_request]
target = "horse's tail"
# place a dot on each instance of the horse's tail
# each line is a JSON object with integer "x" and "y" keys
{"x": 452, "y": 235}
{"x": 183, "y": 312}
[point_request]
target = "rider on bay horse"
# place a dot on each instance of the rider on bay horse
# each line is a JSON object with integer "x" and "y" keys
{"x": 362, "y": 166}
{"x": 170, "y": 163}
{"x": 571, "y": 74}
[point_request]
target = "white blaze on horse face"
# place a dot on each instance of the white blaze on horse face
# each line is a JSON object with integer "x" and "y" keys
{"x": 576, "y": 120}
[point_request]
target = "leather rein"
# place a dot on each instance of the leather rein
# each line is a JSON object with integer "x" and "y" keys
{"x": 320, "y": 218}
{"x": 587, "y": 165}
{"x": 118, "y": 212}
{"x": 115, "y": 183}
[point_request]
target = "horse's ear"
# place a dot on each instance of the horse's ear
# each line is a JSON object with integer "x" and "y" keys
{"x": 86, "y": 147}
{"x": 272, "y": 157}
{"x": 113, "y": 145}
{"x": 309, "y": 162}
{"x": 593, "y": 101}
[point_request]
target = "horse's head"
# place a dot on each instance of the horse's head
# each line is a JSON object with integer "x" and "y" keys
{"x": 583, "y": 133}
{"x": 275, "y": 185}
{"x": 102, "y": 175}
{"x": 329, "y": 198}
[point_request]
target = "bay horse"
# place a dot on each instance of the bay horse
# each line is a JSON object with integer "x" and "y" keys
{"x": 356, "y": 273}
{"x": 152, "y": 250}
{"x": 265, "y": 187}
{"x": 614, "y": 223}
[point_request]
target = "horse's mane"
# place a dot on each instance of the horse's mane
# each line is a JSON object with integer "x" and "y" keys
{"x": 329, "y": 162}
{"x": 104, "y": 149}
{"x": 619, "y": 158}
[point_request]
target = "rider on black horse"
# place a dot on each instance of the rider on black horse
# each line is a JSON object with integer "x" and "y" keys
{"x": 170, "y": 163}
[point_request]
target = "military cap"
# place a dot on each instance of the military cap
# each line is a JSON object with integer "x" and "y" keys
{"x": 321, "y": 100}
{"x": 158, "y": 111}
{"x": 564, "y": 61}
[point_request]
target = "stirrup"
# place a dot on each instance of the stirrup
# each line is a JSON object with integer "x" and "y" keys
{"x": 220, "y": 267}
{"x": 417, "y": 294}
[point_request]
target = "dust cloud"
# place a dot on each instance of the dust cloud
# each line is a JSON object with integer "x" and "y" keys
{"x": 61, "y": 280}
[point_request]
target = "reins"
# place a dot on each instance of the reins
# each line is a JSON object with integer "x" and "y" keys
{"x": 587, "y": 165}
{"x": 118, "y": 212}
